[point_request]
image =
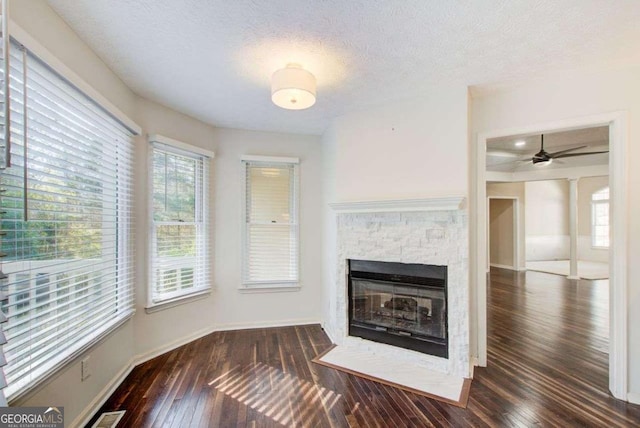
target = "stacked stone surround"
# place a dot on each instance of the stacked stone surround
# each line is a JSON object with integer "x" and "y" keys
{"x": 429, "y": 237}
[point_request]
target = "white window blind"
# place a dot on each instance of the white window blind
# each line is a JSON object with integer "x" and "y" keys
{"x": 600, "y": 218}
{"x": 180, "y": 246}
{"x": 67, "y": 224}
{"x": 270, "y": 250}
{"x": 4, "y": 163}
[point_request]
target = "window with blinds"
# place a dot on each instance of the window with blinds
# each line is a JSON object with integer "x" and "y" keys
{"x": 270, "y": 250}
{"x": 66, "y": 223}
{"x": 180, "y": 225}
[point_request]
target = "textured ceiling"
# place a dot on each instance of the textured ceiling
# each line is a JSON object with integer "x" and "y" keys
{"x": 503, "y": 155}
{"x": 212, "y": 59}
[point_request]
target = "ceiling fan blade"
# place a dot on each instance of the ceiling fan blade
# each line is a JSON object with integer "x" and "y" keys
{"x": 568, "y": 155}
{"x": 554, "y": 154}
{"x": 512, "y": 161}
{"x": 502, "y": 154}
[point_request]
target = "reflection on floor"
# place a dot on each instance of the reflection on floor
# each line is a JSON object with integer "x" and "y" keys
{"x": 586, "y": 270}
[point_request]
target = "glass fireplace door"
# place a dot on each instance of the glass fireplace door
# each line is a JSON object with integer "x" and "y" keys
{"x": 403, "y": 309}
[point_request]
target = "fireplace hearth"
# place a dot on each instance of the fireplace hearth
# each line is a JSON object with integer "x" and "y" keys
{"x": 399, "y": 304}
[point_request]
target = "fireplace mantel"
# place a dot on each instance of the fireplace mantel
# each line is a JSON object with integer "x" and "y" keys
{"x": 400, "y": 205}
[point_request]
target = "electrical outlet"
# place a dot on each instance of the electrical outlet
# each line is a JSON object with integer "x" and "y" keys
{"x": 85, "y": 368}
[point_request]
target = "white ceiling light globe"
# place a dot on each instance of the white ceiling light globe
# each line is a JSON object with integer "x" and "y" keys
{"x": 293, "y": 88}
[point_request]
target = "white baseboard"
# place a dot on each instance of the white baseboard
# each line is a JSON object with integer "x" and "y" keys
{"x": 149, "y": 355}
{"x": 633, "y": 397}
{"x": 473, "y": 362}
{"x": 143, "y": 358}
{"x": 329, "y": 332}
{"x": 268, "y": 324}
{"x": 85, "y": 416}
{"x": 502, "y": 266}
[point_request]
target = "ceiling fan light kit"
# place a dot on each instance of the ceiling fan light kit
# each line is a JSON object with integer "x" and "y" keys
{"x": 293, "y": 88}
{"x": 540, "y": 163}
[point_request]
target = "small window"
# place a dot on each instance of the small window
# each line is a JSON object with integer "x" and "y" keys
{"x": 180, "y": 222}
{"x": 600, "y": 218}
{"x": 270, "y": 250}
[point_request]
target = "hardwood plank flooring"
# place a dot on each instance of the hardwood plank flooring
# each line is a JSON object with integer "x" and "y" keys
{"x": 547, "y": 366}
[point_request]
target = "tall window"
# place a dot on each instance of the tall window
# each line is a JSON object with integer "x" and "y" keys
{"x": 180, "y": 224}
{"x": 600, "y": 218}
{"x": 270, "y": 250}
{"x": 66, "y": 221}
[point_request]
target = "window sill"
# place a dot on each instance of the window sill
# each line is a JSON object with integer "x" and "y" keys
{"x": 177, "y": 301}
{"x": 270, "y": 288}
{"x": 593, "y": 247}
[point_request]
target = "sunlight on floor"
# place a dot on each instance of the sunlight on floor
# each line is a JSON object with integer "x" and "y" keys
{"x": 274, "y": 393}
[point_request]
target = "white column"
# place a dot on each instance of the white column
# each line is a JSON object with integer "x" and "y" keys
{"x": 573, "y": 228}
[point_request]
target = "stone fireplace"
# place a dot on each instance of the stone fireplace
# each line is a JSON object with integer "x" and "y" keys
{"x": 424, "y": 232}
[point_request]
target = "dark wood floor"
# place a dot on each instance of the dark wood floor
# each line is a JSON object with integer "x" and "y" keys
{"x": 547, "y": 366}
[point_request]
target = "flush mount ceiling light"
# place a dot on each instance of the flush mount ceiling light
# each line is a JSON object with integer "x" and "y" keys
{"x": 520, "y": 143}
{"x": 293, "y": 88}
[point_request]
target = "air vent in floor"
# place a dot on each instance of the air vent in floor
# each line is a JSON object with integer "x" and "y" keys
{"x": 109, "y": 419}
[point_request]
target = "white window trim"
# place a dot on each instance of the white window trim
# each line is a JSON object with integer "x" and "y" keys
{"x": 198, "y": 293}
{"x": 280, "y": 159}
{"x": 155, "y": 138}
{"x": 267, "y": 286}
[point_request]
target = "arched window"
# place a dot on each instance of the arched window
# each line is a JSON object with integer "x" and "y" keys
{"x": 600, "y": 218}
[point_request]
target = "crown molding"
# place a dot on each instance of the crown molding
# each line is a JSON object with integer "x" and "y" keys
{"x": 397, "y": 205}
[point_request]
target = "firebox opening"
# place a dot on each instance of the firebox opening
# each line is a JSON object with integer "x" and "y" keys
{"x": 403, "y": 305}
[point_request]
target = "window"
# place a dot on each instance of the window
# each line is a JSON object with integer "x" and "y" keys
{"x": 180, "y": 221}
{"x": 600, "y": 218}
{"x": 67, "y": 227}
{"x": 270, "y": 250}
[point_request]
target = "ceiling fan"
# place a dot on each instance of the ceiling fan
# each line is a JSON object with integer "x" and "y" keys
{"x": 543, "y": 157}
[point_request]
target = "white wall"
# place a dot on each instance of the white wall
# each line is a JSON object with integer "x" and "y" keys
{"x": 513, "y": 190}
{"x": 586, "y": 187}
{"x": 407, "y": 149}
{"x": 547, "y": 220}
{"x": 582, "y": 94}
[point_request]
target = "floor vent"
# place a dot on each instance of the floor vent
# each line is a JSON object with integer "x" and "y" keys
{"x": 109, "y": 419}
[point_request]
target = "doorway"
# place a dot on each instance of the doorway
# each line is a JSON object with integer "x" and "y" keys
{"x": 618, "y": 341}
{"x": 502, "y": 239}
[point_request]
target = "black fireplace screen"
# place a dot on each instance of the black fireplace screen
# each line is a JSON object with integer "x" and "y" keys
{"x": 399, "y": 304}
